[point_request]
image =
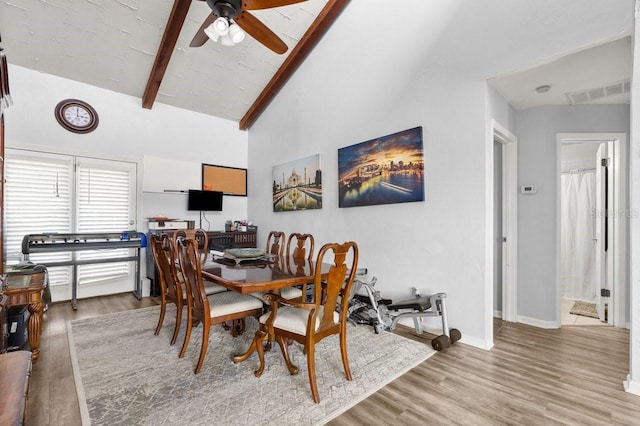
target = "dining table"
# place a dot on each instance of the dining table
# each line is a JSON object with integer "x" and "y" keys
{"x": 266, "y": 274}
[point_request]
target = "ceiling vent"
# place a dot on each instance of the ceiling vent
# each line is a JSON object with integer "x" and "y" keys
{"x": 598, "y": 93}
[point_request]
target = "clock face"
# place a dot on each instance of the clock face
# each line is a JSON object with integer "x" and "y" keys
{"x": 76, "y": 116}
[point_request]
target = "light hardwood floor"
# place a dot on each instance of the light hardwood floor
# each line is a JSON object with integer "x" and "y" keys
{"x": 532, "y": 376}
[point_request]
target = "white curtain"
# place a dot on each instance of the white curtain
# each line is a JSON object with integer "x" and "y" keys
{"x": 578, "y": 278}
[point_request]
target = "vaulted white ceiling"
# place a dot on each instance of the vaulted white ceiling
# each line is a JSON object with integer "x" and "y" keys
{"x": 112, "y": 44}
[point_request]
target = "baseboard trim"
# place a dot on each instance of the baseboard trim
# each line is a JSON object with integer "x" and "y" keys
{"x": 478, "y": 343}
{"x": 631, "y": 386}
{"x": 538, "y": 323}
{"x": 467, "y": 340}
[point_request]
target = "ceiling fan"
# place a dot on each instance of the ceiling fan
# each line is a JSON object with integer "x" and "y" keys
{"x": 227, "y": 15}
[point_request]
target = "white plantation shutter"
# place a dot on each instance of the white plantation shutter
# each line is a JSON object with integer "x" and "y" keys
{"x": 104, "y": 204}
{"x": 41, "y": 195}
{"x": 37, "y": 200}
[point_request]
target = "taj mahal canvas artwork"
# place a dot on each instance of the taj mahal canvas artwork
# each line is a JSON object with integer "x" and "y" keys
{"x": 297, "y": 185}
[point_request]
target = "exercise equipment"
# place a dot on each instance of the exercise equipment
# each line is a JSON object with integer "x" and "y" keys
{"x": 383, "y": 314}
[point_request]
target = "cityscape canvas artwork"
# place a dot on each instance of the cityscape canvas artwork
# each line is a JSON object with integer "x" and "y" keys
{"x": 297, "y": 185}
{"x": 385, "y": 170}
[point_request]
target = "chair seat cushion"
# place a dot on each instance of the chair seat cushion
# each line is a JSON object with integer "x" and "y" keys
{"x": 290, "y": 293}
{"x": 258, "y": 294}
{"x": 209, "y": 288}
{"x": 286, "y": 293}
{"x": 213, "y": 288}
{"x": 231, "y": 302}
{"x": 294, "y": 319}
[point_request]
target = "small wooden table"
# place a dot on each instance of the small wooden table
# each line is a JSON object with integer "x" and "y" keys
{"x": 27, "y": 290}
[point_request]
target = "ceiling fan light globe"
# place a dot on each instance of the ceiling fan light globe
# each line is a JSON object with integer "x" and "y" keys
{"x": 236, "y": 33}
{"x": 221, "y": 26}
{"x": 211, "y": 33}
{"x": 226, "y": 41}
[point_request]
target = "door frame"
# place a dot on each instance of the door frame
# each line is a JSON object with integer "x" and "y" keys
{"x": 509, "y": 144}
{"x": 618, "y": 219}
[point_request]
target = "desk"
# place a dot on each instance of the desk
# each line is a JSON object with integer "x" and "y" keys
{"x": 262, "y": 276}
{"x": 27, "y": 290}
{"x": 54, "y": 242}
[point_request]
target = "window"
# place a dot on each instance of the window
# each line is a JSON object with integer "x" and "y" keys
{"x": 47, "y": 193}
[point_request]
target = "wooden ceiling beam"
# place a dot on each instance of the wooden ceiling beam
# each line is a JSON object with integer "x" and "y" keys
{"x": 165, "y": 50}
{"x": 309, "y": 40}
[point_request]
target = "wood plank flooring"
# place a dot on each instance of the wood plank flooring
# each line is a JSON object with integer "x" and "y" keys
{"x": 531, "y": 377}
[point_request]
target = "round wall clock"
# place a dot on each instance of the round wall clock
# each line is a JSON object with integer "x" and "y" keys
{"x": 76, "y": 116}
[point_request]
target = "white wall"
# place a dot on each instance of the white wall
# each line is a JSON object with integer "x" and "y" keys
{"x": 129, "y": 132}
{"x": 435, "y": 245}
{"x": 370, "y": 83}
{"x": 537, "y": 254}
{"x": 633, "y": 380}
{"x": 502, "y": 112}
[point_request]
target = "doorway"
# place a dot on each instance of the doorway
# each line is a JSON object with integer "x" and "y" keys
{"x": 591, "y": 222}
{"x": 505, "y": 252}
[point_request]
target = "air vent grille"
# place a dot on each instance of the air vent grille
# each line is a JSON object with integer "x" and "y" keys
{"x": 597, "y": 93}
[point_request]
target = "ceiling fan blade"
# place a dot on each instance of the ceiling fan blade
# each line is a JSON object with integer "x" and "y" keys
{"x": 260, "y": 32}
{"x": 267, "y": 4}
{"x": 201, "y": 38}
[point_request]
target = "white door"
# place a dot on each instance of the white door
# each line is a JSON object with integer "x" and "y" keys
{"x": 509, "y": 231}
{"x": 105, "y": 202}
{"x": 599, "y": 222}
{"x": 47, "y": 193}
{"x": 609, "y": 215}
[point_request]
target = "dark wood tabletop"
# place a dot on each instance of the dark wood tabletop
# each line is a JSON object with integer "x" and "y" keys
{"x": 260, "y": 276}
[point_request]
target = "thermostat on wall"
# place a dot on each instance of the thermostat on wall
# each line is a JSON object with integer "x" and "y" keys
{"x": 528, "y": 189}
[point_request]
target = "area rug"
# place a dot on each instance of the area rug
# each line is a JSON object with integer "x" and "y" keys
{"x": 125, "y": 375}
{"x": 585, "y": 309}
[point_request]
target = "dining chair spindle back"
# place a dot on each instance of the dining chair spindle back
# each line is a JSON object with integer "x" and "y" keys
{"x": 198, "y": 234}
{"x": 300, "y": 246}
{"x": 309, "y": 322}
{"x": 171, "y": 290}
{"x": 275, "y": 243}
{"x": 209, "y": 309}
{"x": 300, "y": 249}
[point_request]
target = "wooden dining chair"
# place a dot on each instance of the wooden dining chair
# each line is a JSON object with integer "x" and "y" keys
{"x": 172, "y": 285}
{"x": 275, "y": 243}
{"x": 309, "y": 323}
{"x": 275, "y": 246}
{"x": 198, "y": 234}
{"x": 201, "y": 237}
{"x": 300, "y": 249}
{"x": 213, "y": 309}
{"x": 170, "y": 290}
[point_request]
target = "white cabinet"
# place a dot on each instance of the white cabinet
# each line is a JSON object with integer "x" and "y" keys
{"x": 162, "y": 174}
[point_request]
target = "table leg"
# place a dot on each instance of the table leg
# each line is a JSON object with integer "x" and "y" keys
{"x": 257, "y": 340}
{"x": 34, "y": 328}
